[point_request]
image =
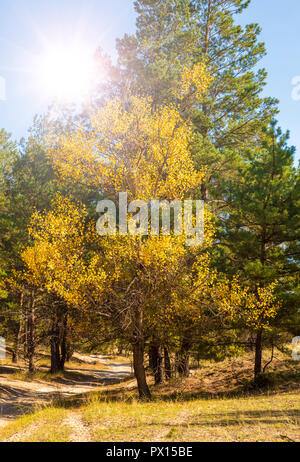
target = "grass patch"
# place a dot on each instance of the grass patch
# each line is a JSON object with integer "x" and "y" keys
{"x": 46, "y": 425}
{"x": 261, "y": 417}
{"x": 252, "y": 418}
{"x": 217, "y": 403}
{"x": 271, "y": 380}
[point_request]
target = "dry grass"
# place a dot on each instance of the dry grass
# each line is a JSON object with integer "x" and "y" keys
{"x": 216, "y": 403}
{"x": 260, "y": 418}
{"x": 254, "y": 418}
{"x": 46, "y": 425}
{"x": 234, "y": 376}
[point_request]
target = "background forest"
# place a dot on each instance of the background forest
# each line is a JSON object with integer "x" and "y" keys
{"x": 179, "y": 116}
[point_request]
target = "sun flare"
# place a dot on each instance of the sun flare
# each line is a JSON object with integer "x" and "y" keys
{"x": 66, "y": 73}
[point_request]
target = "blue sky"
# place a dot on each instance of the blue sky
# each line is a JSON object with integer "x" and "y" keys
{"x": 26, "y": 24}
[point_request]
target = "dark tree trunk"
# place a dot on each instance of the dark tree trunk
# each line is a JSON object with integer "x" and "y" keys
{"x": 16, "y": 349}
{"x": 158, "y": 366}
{"x": 64, "y": 349}
{"x": 25, "y": 346}
{"x": 139, "y": 369}
{"x": 69, "y": 351}
{"x": 183, "y": 361}
{"x": 258, "y": 341}
{"x": 31, "y": 334}
{"x": 151, "y": 356}
{"x": 138, "y": 356}
{"x": 156, "y": 361}
{"x": 204, "y": 192}
{"x": 258, "y": 355}
{"x": 54, "y": 343}
{"x": 14, "y": 358}
{"x": 168, "y": 367}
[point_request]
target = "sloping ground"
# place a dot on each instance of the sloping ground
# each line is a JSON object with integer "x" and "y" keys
{"x": 18, "y": 397}
{"x": 257, "y": 418}
{"x": 216, "y": 403}
{"x": 234, "y": 376}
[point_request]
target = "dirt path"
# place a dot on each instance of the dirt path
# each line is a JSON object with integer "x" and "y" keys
{"x": 17, "y": 396}
{"x": 80, "y": 431}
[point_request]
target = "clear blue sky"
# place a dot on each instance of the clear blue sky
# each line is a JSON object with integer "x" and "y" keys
{"x": 25, "y": 24}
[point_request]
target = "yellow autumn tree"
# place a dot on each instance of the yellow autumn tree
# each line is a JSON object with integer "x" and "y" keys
{"x": 128, "y": 280}
{"x": 251, "y": 309}
{"x": 56, "y": 260}
{"x": 134, "y": 147}
{"x": 130, "y": 148}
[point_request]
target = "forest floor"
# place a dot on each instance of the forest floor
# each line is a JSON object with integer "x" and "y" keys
{"x": 96, "y": 403}
{"x": 21, "y": 393}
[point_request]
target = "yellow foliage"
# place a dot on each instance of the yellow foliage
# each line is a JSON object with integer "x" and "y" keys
{"x": 194, "y": 82}
{"x": 253, "y": 309}
{"x": 132, "y": 148}
{"x": 56, "y": 261}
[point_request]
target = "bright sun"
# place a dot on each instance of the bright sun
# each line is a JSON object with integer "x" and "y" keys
{"x": 66, "y": 73}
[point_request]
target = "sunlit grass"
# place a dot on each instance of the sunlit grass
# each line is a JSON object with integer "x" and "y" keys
{"x": 256, "y": 418}
{"x": 45, "y": 425}
{"x": 217, "y": 403}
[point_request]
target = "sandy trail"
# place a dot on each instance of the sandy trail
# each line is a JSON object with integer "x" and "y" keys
{"x": 18, "y": 397}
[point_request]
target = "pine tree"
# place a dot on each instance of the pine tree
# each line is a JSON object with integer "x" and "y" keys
{"x": 172, "y": 34}
{"x": 262, "y": 229}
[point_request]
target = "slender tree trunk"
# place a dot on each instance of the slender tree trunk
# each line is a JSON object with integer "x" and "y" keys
{"x": 168, "y": 367}
{"x": 138, "y": 356}
{"x": 204, "y": 192}
{"x": 207, "y": 28}
{"x": 69, "y": 351}
{"x": 258, "y": 341}
{"x": 205, "y": 47}
{"x": 139, "y": 369}
{"x": 183, "y": 365}
{"x": 258, "y": 355}
{"x": 156, "y": 361}
{"x": 159, "y": 375}
{"x": 64, "y": 349}
{"x": 31, "y": 334}
{"x": 16, "y": 349}
{"x": 25, "y": 346}
{"x": 54, "y": 343}
{"x": 151, "y": 356}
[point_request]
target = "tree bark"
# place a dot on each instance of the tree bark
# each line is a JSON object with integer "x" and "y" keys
{"x": 158, "y": 366}
{"x": 54, "y": 344}
{"x": 258, "y": 355}
{"x": 64, "y": 349}
{"x": 69, "y": 351}
{"x": 168, "y": 367}
{"x": 151, "y": 356}
{"x": 16, "y": 349}
{"x": 31, "y": 334}
{"x": 139, "y": 370}
{"x": 156, "y": 361}
{"x": 58, "y": 342}
{"x": 183, "y": 366}
{"x": 138, "y": 356}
